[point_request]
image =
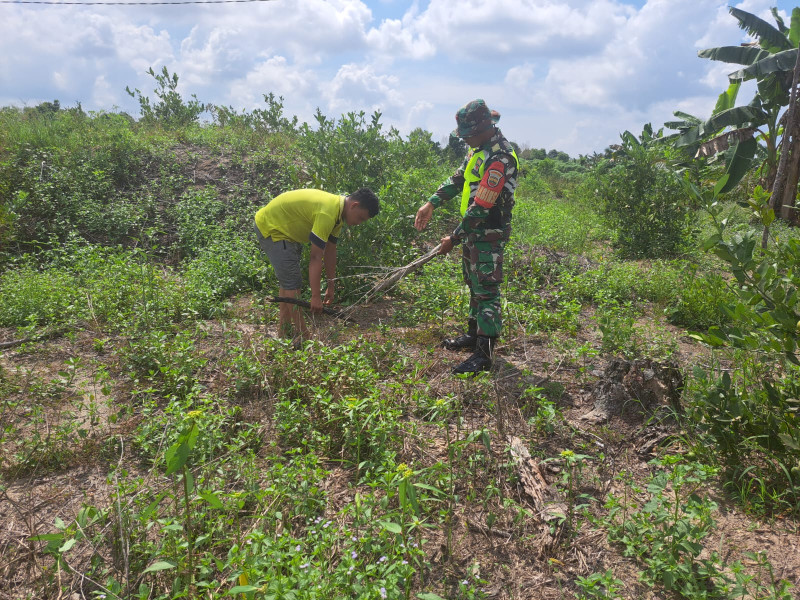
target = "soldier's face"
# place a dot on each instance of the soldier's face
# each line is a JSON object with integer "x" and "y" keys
{"x": 473, "y": 141}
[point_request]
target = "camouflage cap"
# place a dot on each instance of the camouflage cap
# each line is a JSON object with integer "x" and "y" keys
{"x": 473, "y": 118}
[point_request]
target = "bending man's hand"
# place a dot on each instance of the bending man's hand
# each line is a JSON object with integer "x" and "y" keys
{"x": 423, "y": 217}
{"x": 316, "y": 304}
{"x": 447, "y": 245}
{"x": 329, "y": 294}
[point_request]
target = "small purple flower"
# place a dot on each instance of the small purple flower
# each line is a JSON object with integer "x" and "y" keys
{"x": 383, "y": 592}
{"x": 382, "y": 559}
{"x": 305, "y": 565}
{"x": 297, "y": 548}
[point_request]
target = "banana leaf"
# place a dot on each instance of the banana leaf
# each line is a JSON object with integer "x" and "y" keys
{"x": 774, "y": 63}
{"x": 740, "y": 55}
{"x": 727, "y": 99}
{"x": 738, "y": 116}
{"x": 769, "y": 37}
{"x": 739, "y": 163}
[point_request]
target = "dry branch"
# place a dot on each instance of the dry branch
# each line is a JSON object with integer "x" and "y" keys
{"x": 396, "y": 275}
{"x": 34, "y": 338}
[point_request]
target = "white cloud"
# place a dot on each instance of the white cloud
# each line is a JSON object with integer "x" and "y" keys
{"x": 394, "y": 39}
{"x": 359, "y": 86}
{"x": 566, "y": 74}
{"x": 299, "y": 87}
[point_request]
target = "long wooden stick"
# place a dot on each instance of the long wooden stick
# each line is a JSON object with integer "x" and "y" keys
{"x": 304, "y": 304}
{"x": 34, "y": 338}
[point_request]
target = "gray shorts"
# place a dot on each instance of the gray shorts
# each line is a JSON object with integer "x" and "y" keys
{"x": 284, "y": 256}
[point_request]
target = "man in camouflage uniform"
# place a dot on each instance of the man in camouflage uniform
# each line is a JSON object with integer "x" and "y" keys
{"x": 485, "y": 183}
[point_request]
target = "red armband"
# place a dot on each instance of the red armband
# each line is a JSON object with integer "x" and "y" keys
{"x": 494, "y": 178}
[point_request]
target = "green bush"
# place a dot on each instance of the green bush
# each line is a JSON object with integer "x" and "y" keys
{"x": 77, "y": 282}
{"x": 615, "y": 282}
{"x": 346, "y": 155}
{"x": 700, "y": 301}
{"x": 751, "y": 423}
{"x": 227, "y": 265}
{"x": 69, "y": 172}
{"x": 32, "y": 297}
{"x": 170, "y": 110}
{"x": 197, "y": 216}
{"x": 646, "y": 204}
{"x": 329, "y": 403}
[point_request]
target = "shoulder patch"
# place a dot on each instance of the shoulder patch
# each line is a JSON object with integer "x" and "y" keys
{"x": 493, "y": 177}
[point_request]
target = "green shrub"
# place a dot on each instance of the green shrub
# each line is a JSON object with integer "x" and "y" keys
{"x": 750, "y": 420}
{"x": 616, "y": 282}
{"x": 700, "y": 301}
{"x": 170, "y": 110}
{"x": 329, "y": 403}
{"x": 32, "y": 297}
{"x": 197, "y": 216}
{"x": 68, "y": 171}
{"x": 227, "y": 265}
{"x": 346, "y": 155}
{"x": 387, "y": 240}
{"x": 646, "y": 203}
{"x": 222, "y": 429}
{"x": 77, "y": 282}
{"x": 169, "y": 362}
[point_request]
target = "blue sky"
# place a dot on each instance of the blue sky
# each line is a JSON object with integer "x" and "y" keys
{"x": 564, "y": 74}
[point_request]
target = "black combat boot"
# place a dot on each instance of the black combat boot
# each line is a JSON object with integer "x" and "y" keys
{"x": 465, "y": 340}
{"x": 481, "y": 360}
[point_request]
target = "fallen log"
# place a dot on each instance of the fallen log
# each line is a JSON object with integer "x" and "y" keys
{"x": 550, "y": 509}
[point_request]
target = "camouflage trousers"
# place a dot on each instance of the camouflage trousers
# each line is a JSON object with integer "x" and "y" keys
{"x": 482, "y": 266}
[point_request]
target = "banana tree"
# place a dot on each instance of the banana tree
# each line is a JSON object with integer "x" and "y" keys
{"x": 713, "y": 140}
{"x": 738, "y": 133}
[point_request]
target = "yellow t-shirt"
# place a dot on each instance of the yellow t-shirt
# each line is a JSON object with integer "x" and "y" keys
{"x": 302, "y": 216}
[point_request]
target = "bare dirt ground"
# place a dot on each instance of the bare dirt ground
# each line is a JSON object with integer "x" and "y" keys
{"x": 515, "y": 557}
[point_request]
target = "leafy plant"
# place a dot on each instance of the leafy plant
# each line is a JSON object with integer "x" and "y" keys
{"x": 645, "y": 202}
{"x": 169, "y": 110}
{"x": 599, "y": 585}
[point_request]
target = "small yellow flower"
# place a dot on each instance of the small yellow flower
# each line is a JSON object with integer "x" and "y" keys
{"x": 404, "y": 471}
{"x": 194, "y": 414}
{"x": 567, "y": 454}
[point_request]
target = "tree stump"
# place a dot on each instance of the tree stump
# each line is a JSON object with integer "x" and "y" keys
{"x": 633, "y": 390}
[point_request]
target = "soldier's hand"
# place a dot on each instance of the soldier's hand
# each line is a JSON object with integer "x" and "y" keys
{"x": 423, "y": 217}
{"x": 316, "y": 304}
{"x": 329, "y": 295}
{"x": 447, "y": 245}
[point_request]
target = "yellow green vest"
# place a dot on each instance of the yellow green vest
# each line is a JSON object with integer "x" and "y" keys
{"x": 474, "y": 172}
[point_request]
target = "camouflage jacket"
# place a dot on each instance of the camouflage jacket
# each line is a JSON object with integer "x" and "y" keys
{"x": 491, "y": 199}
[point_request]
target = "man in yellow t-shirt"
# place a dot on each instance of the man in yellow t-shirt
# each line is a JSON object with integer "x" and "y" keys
{"x": 296, "y": 218}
